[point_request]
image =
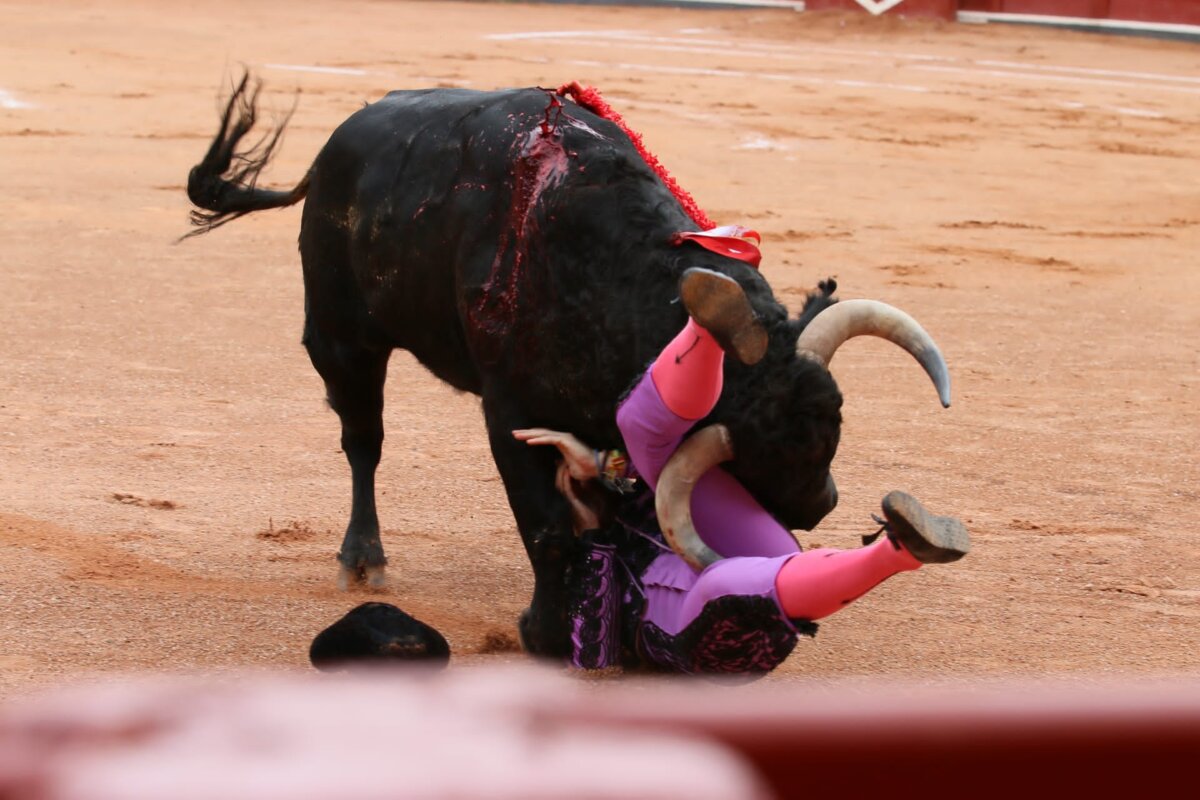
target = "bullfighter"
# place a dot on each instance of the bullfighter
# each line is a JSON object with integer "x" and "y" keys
{"x": 638, "y": 601}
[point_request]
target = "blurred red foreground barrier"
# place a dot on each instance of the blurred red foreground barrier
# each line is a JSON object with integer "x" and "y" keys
{"x": 533, "y": 733}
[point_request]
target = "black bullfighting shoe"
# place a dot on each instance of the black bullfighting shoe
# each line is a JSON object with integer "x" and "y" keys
{"x": 377, "y": 633}
{"x": 719, "y": 305}
{"x": 929, "y": 538}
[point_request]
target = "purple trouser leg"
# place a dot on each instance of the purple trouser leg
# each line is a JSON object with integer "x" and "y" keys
{"x": 676, "y": 593}
{"x": 729, "y": 520}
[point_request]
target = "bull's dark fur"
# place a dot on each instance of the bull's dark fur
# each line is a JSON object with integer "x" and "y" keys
{"x": 529, "y": 263}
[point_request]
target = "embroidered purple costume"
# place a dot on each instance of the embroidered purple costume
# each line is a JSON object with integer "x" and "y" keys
{"x": 725, "y": 619}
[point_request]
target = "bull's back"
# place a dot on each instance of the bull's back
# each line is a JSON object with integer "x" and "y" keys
{"x": 401, "y": 197}
{"x": 488, "y": 231}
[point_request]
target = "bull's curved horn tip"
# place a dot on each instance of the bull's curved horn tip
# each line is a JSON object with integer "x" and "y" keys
{"x": 935, "y": 367}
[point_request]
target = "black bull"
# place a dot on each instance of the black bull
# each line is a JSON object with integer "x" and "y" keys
{"x": 522, "y": 252}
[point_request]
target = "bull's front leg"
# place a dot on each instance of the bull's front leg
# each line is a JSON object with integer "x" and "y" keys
{"x": 544, "y": 520}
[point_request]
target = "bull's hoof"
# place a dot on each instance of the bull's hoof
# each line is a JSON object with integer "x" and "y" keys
{"x": 719, "y": 305}
{"x": 374, "y": 577}
{"x": 524, "y": 634}
{"x": 929, "y": 538}
{"x": 537, "y": 640}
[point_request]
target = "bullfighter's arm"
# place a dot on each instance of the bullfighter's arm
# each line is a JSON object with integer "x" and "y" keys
{"x": 584, "y": 515}
{"x": 580, "y": 466}
{"x": 579, "y": 459}
{"x": 611, "y": 467}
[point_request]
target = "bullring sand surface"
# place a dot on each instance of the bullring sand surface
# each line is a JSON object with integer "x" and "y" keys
{"x": 171, "y": 487}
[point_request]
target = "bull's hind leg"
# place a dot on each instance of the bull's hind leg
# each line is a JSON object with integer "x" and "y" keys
{"x": 354, "y": 377}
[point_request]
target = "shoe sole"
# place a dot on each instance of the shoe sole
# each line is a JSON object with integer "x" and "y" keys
{"x": 719, "y": 305}
{"x": 929, "y": 538}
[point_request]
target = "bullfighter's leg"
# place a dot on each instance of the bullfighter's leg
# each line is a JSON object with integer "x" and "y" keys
{"x": 354, "y": 376}
{"x": 816, "y": 583}
{"x": 741, "y": 614}
{"x": 689, "y": 372}
{"x": 681, "y": 387}
{"x": 686, "y": 378}
{"x": 544, "y": 521}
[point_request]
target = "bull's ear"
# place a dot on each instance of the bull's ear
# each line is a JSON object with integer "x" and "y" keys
{"x": 817, "y": 301}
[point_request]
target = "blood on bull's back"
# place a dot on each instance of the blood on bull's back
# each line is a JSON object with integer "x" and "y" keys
{"x": 508, "y": 231}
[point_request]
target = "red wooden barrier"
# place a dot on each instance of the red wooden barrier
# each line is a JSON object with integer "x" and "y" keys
{"x": 1185, "y": 12}
{"x": 944, "y": 9}
{"x": 1180, "y": 12}
{"x": 1092, "y": 9}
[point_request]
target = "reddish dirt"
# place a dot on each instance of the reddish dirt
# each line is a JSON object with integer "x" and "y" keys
{"x": 171, "y": 489}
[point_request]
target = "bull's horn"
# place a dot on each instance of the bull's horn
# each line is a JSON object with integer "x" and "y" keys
{"x": 848, "y": 318}
{"x": 701, "y": 451}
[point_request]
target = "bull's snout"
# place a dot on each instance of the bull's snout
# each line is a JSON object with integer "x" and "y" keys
{"x": 808, "y": 514}
{"x": 830, "y": 497}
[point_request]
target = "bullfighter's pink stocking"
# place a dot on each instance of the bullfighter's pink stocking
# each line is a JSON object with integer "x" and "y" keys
{"x": 816, "y": 583}
{"x": 689, "y": 372}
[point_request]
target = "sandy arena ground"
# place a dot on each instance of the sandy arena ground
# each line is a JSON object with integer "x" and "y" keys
{"x": 171, "y": 488}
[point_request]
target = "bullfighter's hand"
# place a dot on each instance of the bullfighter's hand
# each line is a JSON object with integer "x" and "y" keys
{"x": 583, "y": 516}
{"x": 578, "y": 457}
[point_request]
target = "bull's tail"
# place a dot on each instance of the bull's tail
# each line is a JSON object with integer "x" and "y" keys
{"x": 223, "y": 185}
